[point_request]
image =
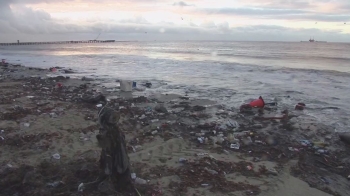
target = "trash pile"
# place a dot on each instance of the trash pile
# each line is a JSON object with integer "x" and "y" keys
{"x": 244, "y": 132}
{"x": 211, "y": 173}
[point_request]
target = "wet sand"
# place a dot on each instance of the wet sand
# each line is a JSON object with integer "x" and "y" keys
{"x": 48, "y": 144}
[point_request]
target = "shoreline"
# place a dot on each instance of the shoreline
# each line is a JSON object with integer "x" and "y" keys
{"x": 40, "y": 121}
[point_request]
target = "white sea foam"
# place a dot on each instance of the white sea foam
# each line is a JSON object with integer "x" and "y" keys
{"x": 316, "y": 74}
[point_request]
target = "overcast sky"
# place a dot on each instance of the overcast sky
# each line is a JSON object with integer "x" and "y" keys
{"x": 253, "y": 20}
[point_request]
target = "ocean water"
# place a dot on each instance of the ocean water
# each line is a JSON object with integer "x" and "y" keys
{"x": 230, "y": 73}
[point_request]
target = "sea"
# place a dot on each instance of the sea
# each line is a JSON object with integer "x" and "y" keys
{"x": 230, "y": 73}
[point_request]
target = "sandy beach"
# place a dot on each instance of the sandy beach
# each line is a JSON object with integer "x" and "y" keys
{"x": 188, "y": 146}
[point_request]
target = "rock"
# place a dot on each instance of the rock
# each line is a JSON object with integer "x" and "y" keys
{"x": 148, "y": 84}
{"x": 42, "y": 103}
{"x": 68, "y": 71}
{"x": 140, "y": 181}
{"x": 58, "y": 78}
{"x": 299, "y": 107}
{"x": 95, "y": 99}
{"x": 345, "y": 137}
{"x": 161, "y": 109}
{"x": 198, "y": 108}
{"x": 87, "y": 79}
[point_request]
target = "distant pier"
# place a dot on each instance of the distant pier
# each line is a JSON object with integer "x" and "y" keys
{"x": 57, "y": 42}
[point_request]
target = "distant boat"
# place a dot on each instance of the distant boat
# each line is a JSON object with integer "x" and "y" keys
{"x": 312, "y": 40}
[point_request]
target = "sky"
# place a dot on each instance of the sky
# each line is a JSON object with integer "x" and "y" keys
{"x": 146, "y": 20}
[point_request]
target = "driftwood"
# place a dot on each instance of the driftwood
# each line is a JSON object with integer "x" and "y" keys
{"x": 114, "y": 163}
{"x": 114, "y": 160}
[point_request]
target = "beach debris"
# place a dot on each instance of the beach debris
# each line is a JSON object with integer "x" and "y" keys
{"x": 87, "y": 79}
{"x": 293, "y": 149}
{"x": 140, "y": 181}
{"x": 204, "y": 185}
{"x": 53, "y": 115}
{"x": 42, "y": 103}
{"x": 259, "y": 142}
{"x": 68, "y": 71}
{"x": 154, "y": 132}
{"x": 271, "y": 104}
{"x": 256, "y": 159}
{"x": 135, "y": 148}
{"x": 182, "y": 160}
{"x": 248, "y": 140}
{"x": 81, "y": 187}
{"x": 257, "y": 103}
{"x": 26, "y": 124}
{"x": 202, "y": 154}
{"x": 126, "y": 85}
{"x": 148, "y": 85}
{"x": 148, "y": 109}
{"x": 198, "y": 108}
{"x": 201, "y": 140}
{"x": 30, "y": 97}
{"x": 235, "y": 146}
{"x": 160, "y": 108}
{"x": 2, "y": 138}
{"x": 18, "y": 107}
{"x": 272, "y": 171}
{"x": 300, "y": 106}
{"x": 2, "y": 131}
{"x": 325, "y": 180}
{"x": 154, "y": 120}
{"x": 213, "y": 172}
{"x": 345, "y": 137}
{"x": 54, "y": 184}
{"x": 249, "y": 167}
{"x": 95, "y": 99}
{"x": 133, "y": 176}
{"x": 56, "y": 156}
{"x": 321, "y": 151}
{"x": 99, "y": 105}
{"x": 59, "y": 85}
{"x": 232, "y": 123}
{"x": 52, "y": 69}
{"x": 305, "y": 143}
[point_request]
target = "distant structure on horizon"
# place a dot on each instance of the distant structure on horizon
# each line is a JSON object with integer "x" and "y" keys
{"x": 313, "y": 40}
{"x": 57, "y": 42}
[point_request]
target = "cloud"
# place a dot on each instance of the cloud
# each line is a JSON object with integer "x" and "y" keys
{"x": 181, "y": 4}
{"x": 278, "y": 14}
{"x": 19, "y": 21}
{"x": 322, "y": 17}
{"x": 251, "y": 11}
